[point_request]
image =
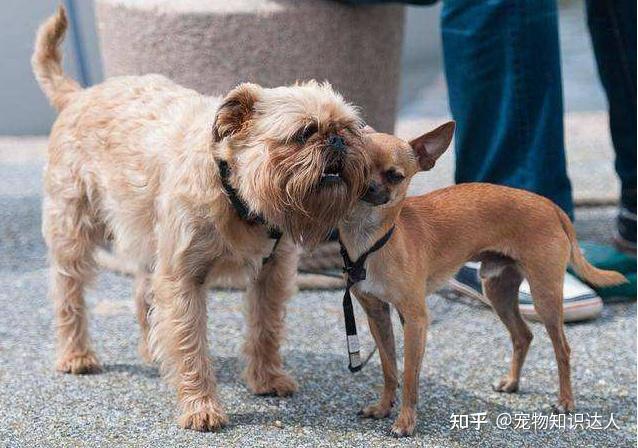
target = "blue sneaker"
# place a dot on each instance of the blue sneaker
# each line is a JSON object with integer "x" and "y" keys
{"x": 580, "y": 302}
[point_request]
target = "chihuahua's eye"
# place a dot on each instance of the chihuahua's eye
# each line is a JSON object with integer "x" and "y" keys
{"x": 305, "y": 133}
{"x": 393, "y": 176}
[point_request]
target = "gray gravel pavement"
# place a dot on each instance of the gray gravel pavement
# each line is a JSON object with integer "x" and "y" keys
{"x": 129, "y": 405}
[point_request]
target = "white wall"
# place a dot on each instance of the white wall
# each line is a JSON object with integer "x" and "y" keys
{"x": 23, "y": 108}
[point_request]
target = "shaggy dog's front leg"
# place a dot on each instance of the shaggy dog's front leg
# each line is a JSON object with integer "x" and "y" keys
{"x": 178, "y": 336}
{"x": 179, "y": 341}
{"x": 265, "y": 300}
{"x": 143, "y": 300}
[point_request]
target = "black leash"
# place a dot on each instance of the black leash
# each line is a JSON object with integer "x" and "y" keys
{"x": 355, "y": 272}
{"x": 242, "y": 209}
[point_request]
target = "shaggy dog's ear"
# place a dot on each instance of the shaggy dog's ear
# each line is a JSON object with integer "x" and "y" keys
{"x": 235, "y": 111}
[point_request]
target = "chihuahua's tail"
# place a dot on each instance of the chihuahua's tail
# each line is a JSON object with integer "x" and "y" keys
{"x": 589, "y": 273}
{"x": 47, "y": 61}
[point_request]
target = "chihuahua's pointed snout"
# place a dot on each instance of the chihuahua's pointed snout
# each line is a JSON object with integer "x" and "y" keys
{"x": 336, "y": 142}
{"x": 375, "y": 194}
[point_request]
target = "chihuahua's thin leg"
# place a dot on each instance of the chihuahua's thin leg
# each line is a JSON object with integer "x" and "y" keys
{"x": 380, "y": 324}
{"x": 502, "y": 291}
{"x": 548, "y": 301}
{"x": 415, "y": 329}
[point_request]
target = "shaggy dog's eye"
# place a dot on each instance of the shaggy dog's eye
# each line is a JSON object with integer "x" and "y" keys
{"x": 393, "y": 176}
{"x": 305, "y": 133}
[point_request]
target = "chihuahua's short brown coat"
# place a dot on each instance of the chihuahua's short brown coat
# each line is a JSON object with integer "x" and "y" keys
{"x": 515, "y": 234}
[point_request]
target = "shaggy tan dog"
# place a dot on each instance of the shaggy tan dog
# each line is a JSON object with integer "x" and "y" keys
{"x": 161, "y": 169}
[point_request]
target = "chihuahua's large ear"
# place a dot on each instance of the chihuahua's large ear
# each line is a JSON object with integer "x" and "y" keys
{"x": 429, "y": 147}
{"x": 235, "y": 111}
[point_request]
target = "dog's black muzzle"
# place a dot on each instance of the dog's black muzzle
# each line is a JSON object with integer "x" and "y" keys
{"x": 336, "y": 143}
{"x": 332, "y": 173}
{"x": 376, "y": 194}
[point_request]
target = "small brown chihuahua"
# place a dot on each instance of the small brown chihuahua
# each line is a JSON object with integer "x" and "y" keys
{"x": 515, "y": 234}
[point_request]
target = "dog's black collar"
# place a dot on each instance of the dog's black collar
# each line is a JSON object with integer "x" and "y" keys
{"x": 355, "y": 272}
{"x": 242, "y": 208}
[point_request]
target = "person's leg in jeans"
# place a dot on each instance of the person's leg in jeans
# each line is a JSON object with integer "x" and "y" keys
{"x": 502, "y": 64}
{"x": 612, "y": 24}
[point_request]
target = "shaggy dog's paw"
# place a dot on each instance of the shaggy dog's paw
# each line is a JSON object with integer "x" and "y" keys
{"x": 279, "y": 384}
{"x": 205, "y": 415}
{"x": 82, "y": 363}
{"x": 376, "y": 411}
{"x": 507, "y": 385}
{"x": 404, "y": 424}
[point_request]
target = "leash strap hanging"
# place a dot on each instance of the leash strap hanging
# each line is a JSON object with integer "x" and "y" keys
{"x": 356, "y": 272}
{"x": 352, "y": 339}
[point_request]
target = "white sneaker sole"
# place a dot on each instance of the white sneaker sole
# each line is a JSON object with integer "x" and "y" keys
{"x": 584, "y": 309}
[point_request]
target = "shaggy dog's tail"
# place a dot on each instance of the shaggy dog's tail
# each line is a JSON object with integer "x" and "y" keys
{"x": 591, "y": 274}
{"x": 47, "y": 61}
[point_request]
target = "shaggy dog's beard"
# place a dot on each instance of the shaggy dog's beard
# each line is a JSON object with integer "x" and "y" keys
{"x": 295, "y": 194}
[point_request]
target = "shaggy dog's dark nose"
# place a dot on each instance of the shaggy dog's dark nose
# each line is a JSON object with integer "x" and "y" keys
{"x": 336, "y": 142}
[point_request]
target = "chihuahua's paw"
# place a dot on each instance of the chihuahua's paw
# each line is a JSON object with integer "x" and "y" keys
{"x": 404, "y": 424}
{"x": 203, "y": 415}
{"x": 280, "y": 384}
{"x": 507, "y": 385}
{"x": 564, "y": 406}
{"x": 377, "y": 411}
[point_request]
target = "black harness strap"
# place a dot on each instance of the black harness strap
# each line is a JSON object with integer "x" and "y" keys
{"x": 356, "y": 272}
{"x": 242, "y": 209}
{"x": 274, "y": 248}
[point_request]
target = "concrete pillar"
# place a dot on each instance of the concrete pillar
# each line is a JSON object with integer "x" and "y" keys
{"x": 212, "y": 45}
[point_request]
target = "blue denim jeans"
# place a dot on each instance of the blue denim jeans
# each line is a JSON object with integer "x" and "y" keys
{"x": 502, "y": 64}
{"x": 612, "y": 25}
